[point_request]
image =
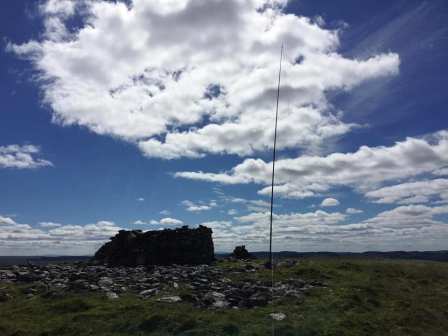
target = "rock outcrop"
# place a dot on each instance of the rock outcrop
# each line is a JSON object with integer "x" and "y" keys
{"x": 241, "y": 253}
{"x": 181, "y": 246}
{"x": 204, "y": 286}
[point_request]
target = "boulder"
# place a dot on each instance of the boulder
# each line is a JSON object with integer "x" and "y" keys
{"x": 182, "y": 246}
{"x": 277, "y": 316}
{"x": 241, "y": 253}
{"x": 148, "y": 293}
{"x": 105, "y": 282}
{"x": 170, "y": 299}
{"x": 112, "y": 295}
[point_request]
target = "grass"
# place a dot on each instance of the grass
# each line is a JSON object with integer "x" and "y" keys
{"x": 362, "y": 297}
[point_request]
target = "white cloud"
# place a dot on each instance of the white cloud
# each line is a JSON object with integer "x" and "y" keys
{"x": 353, "y": 211}
{"x": 165, "y": 212}
{"x": 163, "y": 221}
{"x": 232, "y": 212}
{"x": 412, "y": 227}
{"x": 329, "y": 202}
{"x": 64, "y": 8}
{"x": 140, "y": 199}
{"x": 209, "y": 89}
{"x": 253, "y": 229}
{"x": 55, "y": 13}
{"x": 198, "y": 207}
{"x": 441, "y": 172}
{"x": 252, "y": 205}
{"x": 364, "y": 169}
{"x": 217, "y": 225}
{"x": 53, "y": 238}
{"x": 412, "y": 192}
{"x": 258, "y": 205}
{"x": 416, "y": 227}
{"x": 168, "y": 221}
{"x": 409, "y": 217}
{"x": 49, "y": 225}
{"x": 21, "y": 157}
{"x": 294, "y": 219}
{"x": 98, "y": 231}
{"x": 6, "y": 221}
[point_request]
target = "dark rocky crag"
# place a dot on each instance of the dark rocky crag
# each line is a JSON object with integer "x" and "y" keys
{"x": 241, "y": 253}
{"x": 182, "y": 246}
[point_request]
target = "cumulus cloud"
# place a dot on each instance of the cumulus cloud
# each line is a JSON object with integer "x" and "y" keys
{"x": 409, "y": 218}
{"x": 329, "y": 202}
{"x": 170, "y": 221}
{"x": 163, "y": 221}
{"x": 415, "y": 227}
{"x": 412, "y": 192}
{"x": 21, "y": 157}
{"x": 49, "y": 225}
{"x": 441, "y": 172}
{"x": 6, "y": 221}
{"x": 294, "y": 219}
{"x": 167, "y": 221}
{"x": 140, "y": 199}
{"x": 198, "y": 207}
{"x": 140, "y": 222}
{"x": 98, "y": 231}
{"x": 232, "y": 212}
{"x": 63, "y": 8}
{"x": 217, "y": 225}
{"x": 364, "y": 169}
{"x": 17, "y": 238}
{"x": 253, "y": 229}
{"x": 208, "y": 89}
{"x": 55, "y": 12}
{"x": 353, "y": 211}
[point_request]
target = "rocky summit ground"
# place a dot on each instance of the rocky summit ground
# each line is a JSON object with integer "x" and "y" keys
{"x": 203, "y": 286}
{"x": 329, "y": 296}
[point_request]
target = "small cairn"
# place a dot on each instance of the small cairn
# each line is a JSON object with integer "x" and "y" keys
{"x": 241, "y": 253}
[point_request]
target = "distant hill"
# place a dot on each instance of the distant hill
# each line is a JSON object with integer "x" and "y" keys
{"x": 43, "y": 260}
{"x": 406, "y": 255}
{"x": 410, "y": 255}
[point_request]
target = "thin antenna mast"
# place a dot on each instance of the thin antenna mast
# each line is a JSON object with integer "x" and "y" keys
{"x": 271, "y": 260}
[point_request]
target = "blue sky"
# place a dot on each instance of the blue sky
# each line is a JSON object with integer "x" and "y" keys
{"x": 153, "y": 114}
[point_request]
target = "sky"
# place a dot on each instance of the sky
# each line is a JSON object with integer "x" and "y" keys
{"x": 156, "y": 114}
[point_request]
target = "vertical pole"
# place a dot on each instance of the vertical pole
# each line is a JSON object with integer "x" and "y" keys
{"x": 271, "y": 260}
